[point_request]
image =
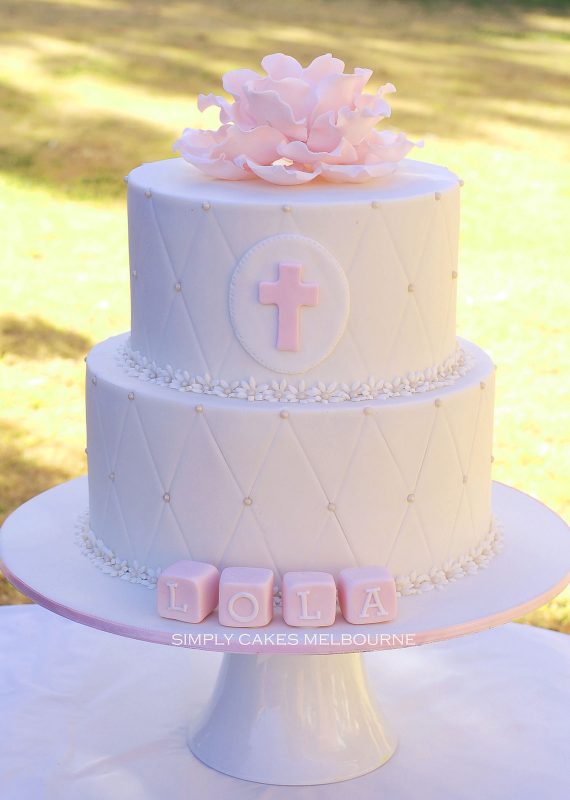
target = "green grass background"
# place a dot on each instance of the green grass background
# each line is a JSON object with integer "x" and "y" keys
{"x": 90, "y": 88}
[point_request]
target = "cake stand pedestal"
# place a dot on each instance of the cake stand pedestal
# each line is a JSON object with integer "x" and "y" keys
{"x": 293, "y": 711}
{"x": 296, "y": 720}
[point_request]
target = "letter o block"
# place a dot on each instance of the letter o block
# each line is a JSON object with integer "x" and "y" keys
{"x": 367, "y": 594}
{"x": 308, "y": 599}
{"x": 246, "y": 597}
{"x": 187, "y": 591}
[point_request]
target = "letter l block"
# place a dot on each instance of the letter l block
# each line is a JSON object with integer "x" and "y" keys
{"x": 309, "y": 599}
{"x": 187, "y": 591}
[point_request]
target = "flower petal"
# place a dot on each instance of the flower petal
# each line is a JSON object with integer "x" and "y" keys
{"x": 323, "y": 133}
{"x": 235, "y": 80}
{"x": 381, "y": 146}
{"x": 267, "y": 108}
{"x": 321, "y": 67}
{"x": 281, "y": 174}
{"x": 299, "y": 152}
{"x": 295, "y": 93}
{"x": 280, "y": 66}
{"x": 219, "y": 168}
{"x": 355, "y": 173}
{"x": 198, "y": 142}
{"x": 337, "y": 91}
{"x": 218, "y": 153}
{"x": 355, "y": 125}
{"x": 226, "y": 108}
{"x": 367, "y": 100}
{"x": 260, "y": 143}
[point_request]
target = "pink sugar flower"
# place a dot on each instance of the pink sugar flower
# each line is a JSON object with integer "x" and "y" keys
{"x": 295, "y": 123}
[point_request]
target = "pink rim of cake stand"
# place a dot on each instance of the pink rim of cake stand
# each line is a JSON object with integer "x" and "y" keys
{"x": 276, "y": 719}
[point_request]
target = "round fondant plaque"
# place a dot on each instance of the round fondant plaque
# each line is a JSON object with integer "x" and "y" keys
{"x": 289, "y": 302}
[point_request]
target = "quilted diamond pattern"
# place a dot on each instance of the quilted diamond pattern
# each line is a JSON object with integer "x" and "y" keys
{"x": 404, "y": 482}
{"x": 372, "y": 481}
{"x": 205, "y": 497}
{"x": 392, "y": 330}
{"x": 140, "y": 512}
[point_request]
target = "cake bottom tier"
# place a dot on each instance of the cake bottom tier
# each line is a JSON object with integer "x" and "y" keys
{"x": 404, "y": 482}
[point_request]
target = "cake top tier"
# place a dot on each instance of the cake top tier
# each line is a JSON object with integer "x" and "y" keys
{"x": 251, "y": 287}
{"x": 294, "y": 124}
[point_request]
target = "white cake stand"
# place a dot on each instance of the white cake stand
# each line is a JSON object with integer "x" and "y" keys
{"x": 290, "y": 713}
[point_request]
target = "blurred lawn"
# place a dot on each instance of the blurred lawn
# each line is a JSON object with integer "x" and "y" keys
{"x": 90, "y": 88}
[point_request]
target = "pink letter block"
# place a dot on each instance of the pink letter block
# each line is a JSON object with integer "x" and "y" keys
{"x": 309, "y": 599}
{"x": 187, "y": 591}
{"x": 246, "y": 597}
{"x": 367, "y": 594}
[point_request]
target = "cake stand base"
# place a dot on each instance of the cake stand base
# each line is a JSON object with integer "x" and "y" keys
{"x": 296, "y": 710}
{"x": 292, "y": 720}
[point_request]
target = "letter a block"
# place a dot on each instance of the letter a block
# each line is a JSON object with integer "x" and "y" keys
{"x": 309, "y": 599}
{"x": 246, "y": 597}
{"x": 367, "y": 594}
{"x": 187, "y": 591}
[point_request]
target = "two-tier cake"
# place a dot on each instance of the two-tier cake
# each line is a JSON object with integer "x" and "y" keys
{"x": 292, "y": 394}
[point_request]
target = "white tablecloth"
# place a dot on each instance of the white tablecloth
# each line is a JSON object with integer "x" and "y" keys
{"x": 86, "y": 715}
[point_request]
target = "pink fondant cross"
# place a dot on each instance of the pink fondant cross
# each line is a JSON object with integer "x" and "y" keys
{"x": 288, "y": 294}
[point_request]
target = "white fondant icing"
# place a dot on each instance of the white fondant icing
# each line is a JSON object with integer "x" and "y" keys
{"x": 107, "y": 561}
{"x": 255, "y": 325}
{"x": 325, "y": 484}
{"x": 405, "y": 238}
{"x": 295, "y": 471}
{"x": 477, "y": 558}
{"x": 426, "y": 380}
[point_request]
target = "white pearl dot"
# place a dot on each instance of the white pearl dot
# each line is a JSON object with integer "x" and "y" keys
{"x": 247, "y": 501}
{"x": 166, "y": 497}
{"x": 286, "y": 208}
{"x": 94, "y": 380}
{"x": 410, "y": 498}
{"x": 206, "y": 205}
{"x": 331, "y": 507}
{"x": 284, "y": 414}
{"x": 454, "y": 275}
{"x": 148, "y": 193}
{"x": 178, "y": 286}
{"x": 199, "y": 409}
{"x": 438, "y": 403}
{"x": 410, "y": 287}
{"x": 131, "y": 395}
{"x": 437, "y": 195}
{"x": 112, "y": 476}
